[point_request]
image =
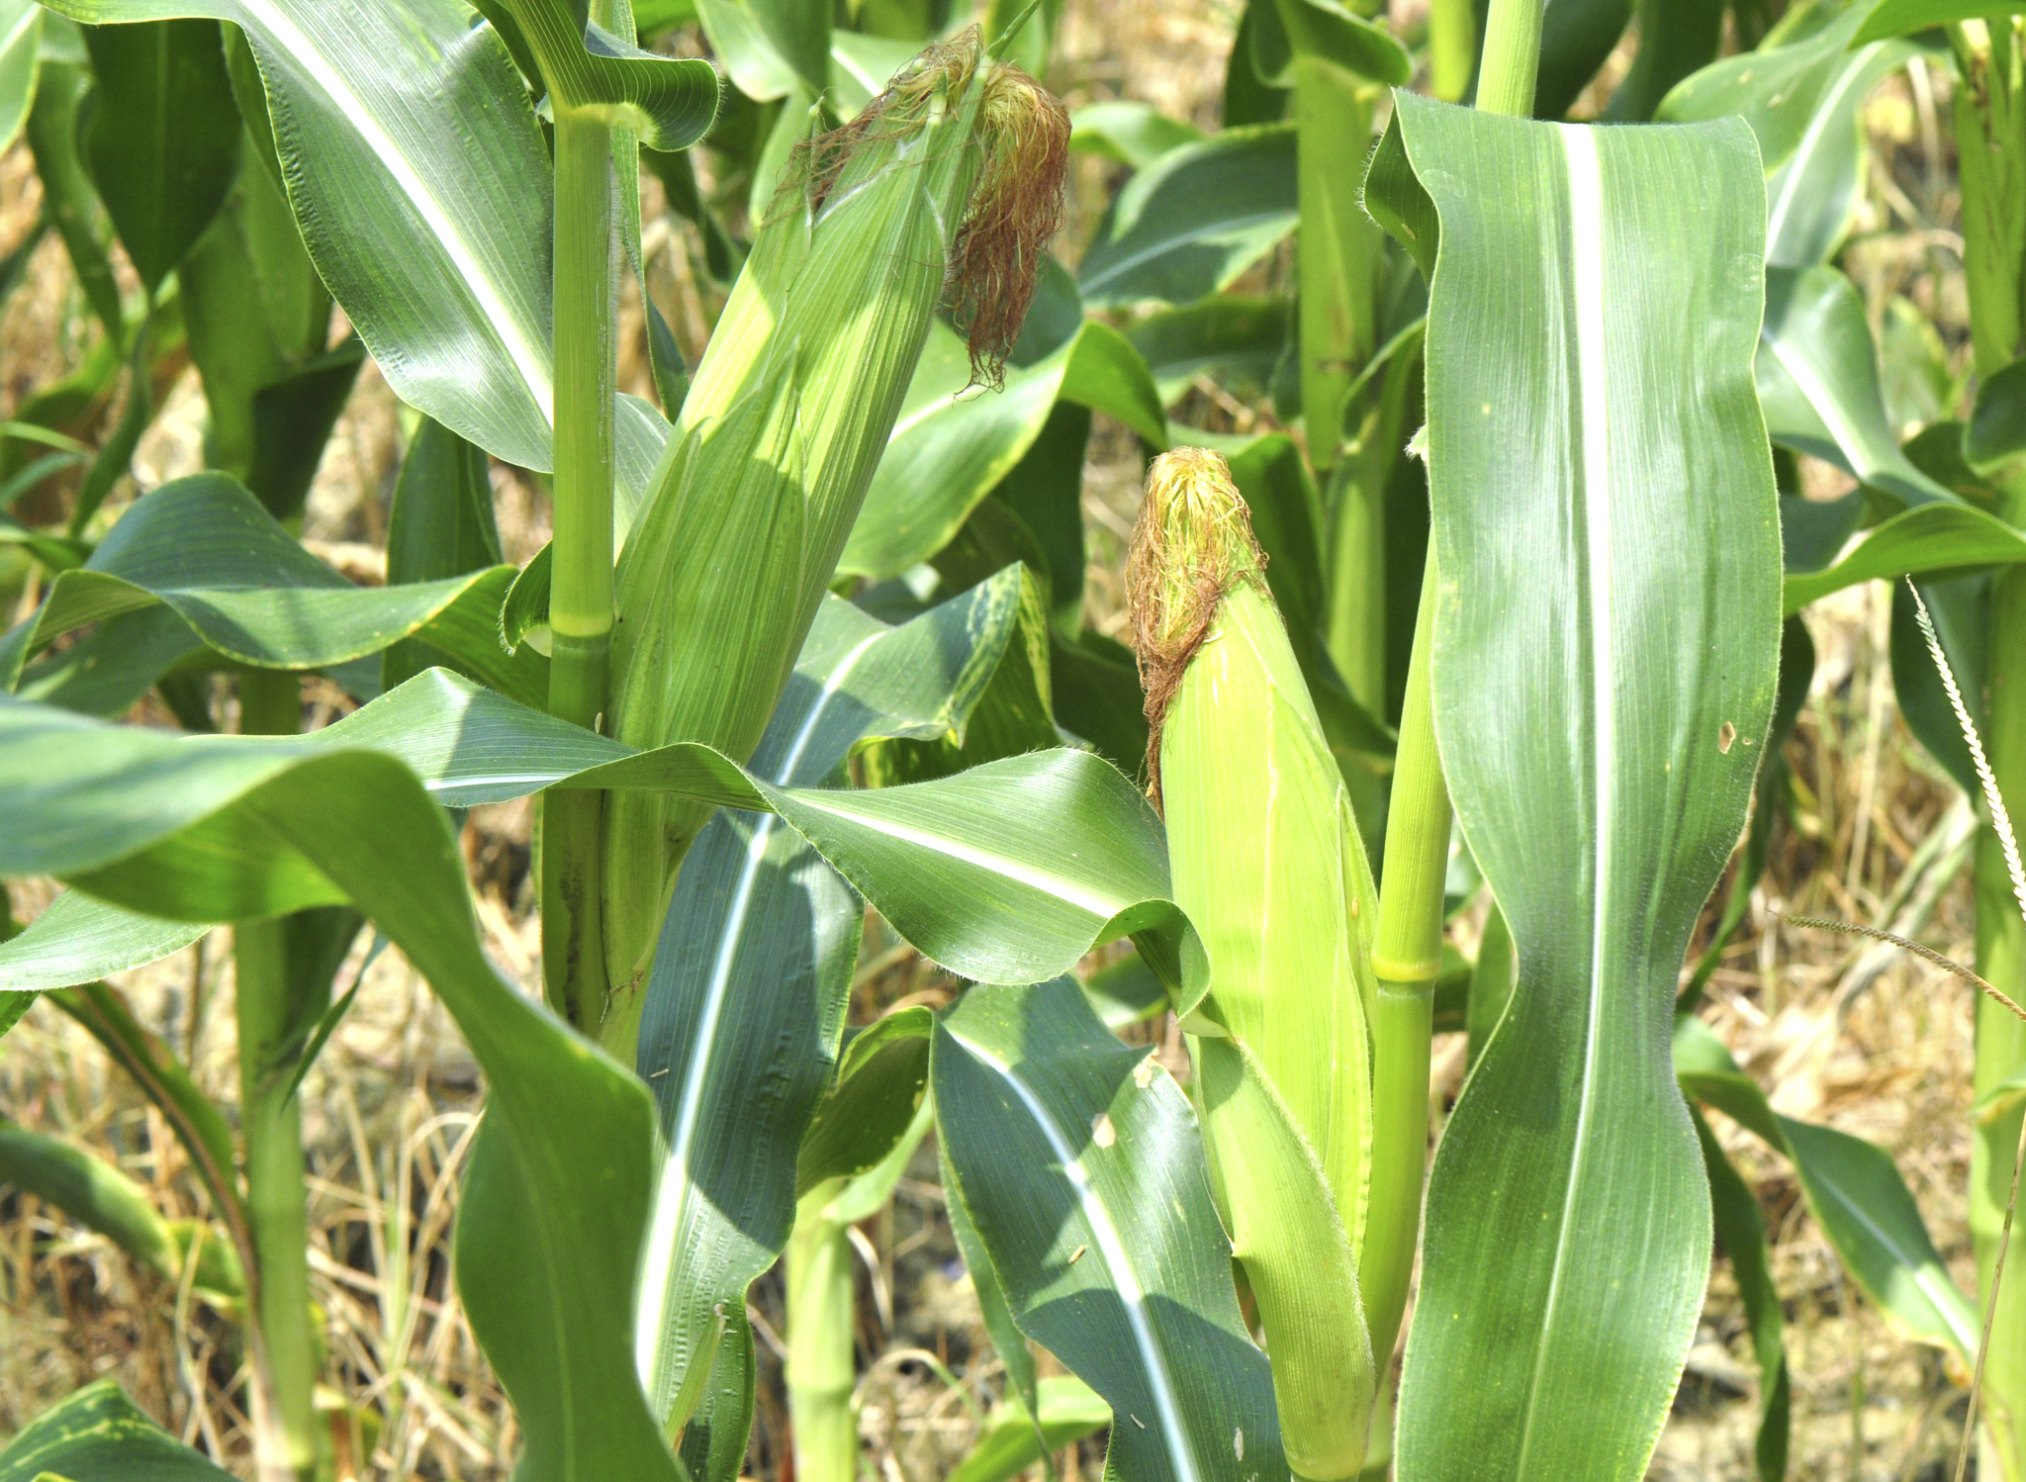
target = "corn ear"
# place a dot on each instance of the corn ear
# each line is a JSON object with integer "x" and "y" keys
{"x": 1265, "y": 858}
{"x": 944, "y": 189}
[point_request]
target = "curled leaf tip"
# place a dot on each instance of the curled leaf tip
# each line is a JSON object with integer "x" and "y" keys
{"x": 1192, "y": 543}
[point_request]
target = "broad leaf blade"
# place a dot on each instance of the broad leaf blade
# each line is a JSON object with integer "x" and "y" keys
{"x": 99, "y": 1432}
{"x": 1600, "y": 703}
{"x": 746, "y": 999}
{"x": 1081, "y": 1169}
{"x": 418, "y": 173}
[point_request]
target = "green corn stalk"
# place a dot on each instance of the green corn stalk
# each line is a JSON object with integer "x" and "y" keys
{"x": 1991, "y": 154}
{"x": 1266, "y": 859}
{"x": 944, "y": 190}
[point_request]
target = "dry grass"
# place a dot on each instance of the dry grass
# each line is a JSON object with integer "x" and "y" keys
{"x": 1838, "y": 1032}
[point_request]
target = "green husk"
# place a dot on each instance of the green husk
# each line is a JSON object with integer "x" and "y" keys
{"x": 944, "y": 190}
{"x": 1265, "y": 857}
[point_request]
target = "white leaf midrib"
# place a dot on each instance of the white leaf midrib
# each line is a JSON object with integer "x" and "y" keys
{"x": 1585, "y": 280}
{"x": 530, "y": 358}
{"x": 671, "y": 1196}
{"x": 1110, "y": 1247}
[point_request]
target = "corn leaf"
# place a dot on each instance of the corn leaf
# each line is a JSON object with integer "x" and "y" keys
{"x": 77, "y": 939}
{"x": 1079, "y": 1164}
{"x": 1818, "y": 381}
{"x": 556, "y": 1203}
{"x": 1904, "y": 17}
{"x": 746, "y": 999}
{"x": 1802, "y": 100}
{"x": 1600, "y": 705}
{"x": 99, "y": 1432}
{"x": 1066, "y": 1409}
{"x": 1920, "y": 541}
{"x": 204, "y": 549}
{"x": 420, "y": 180}
{"x": 952, "y": 444}
{"x": 20, "y": 40}
{"x": 1741, "y": 1231}
{"x": 162, "y": 182}
{"x": 1854, "y": 1191}
{"x": 1190, "y": 223}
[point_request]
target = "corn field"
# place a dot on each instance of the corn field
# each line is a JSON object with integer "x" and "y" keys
{"x": 943, "y": 739}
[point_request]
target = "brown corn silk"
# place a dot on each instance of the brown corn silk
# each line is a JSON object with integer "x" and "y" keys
{"x": 944, "y": 189}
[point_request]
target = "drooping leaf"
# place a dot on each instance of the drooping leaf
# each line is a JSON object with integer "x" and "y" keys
{"x": 205, "y": 549}
{"x": 100, "y": 1433}
{"x": 1081, "y": 1169}
{"x": 1188, "y": 224}
{"x": 1067, "y": 1410}
{"x": 441, "y": 525}
{"x": 770, "y": 47}
{"x": 1818, "y": 381}
{"x": 1741, "y": 1230}
{"x": 231, "y": 828}
{"x": 71, "y": 202}
{"x": 77, "y": 939}
{"x": 418, "y": 173}
{"x": 745, "y": 1003}
{"x": 1802, "y": 100}
{"x": 1925, "y": 539}
{"x": 1602, "y": 779}
{"x": 953, "y": 443}
{"x": 1132, "y": 133}
{"x": 1852, "y": 1188}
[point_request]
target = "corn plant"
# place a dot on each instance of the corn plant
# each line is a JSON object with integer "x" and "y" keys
{"x": 810, "y": 636}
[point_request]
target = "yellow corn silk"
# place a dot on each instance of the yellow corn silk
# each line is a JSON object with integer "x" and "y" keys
{"x": 1266, "y": 859}
{"x": 945, "y": 189}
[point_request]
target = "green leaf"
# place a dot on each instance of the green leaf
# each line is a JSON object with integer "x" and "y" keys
{"x": 91, "y": 1191}
{"x": 666, "y": 103}
{"x": 1923, "y": 540}
{"x": 441, "y": 525}
{"x": 259, "y": 322}
{"x": 1818, "y": 381}
{"x": 1599, "y": 780}
{"x": 1067, "y": 1410}
{"x": 1997, "y": 431}
{"x": 1741, "y": 1230}
{"x": 770, "y": 47}
{"x": 418, "y": 173}
{"x": 98, "y": 1433}
{"x": 1243, "y": 339}
{"x": 71, "y": 202}
{"x": 1326, "y": 31}
{"x": 205, "y": 549}
{"x": 98, "y": 1196}
{"x": 1802, "y": 100}
{"x": 746, "y": 999}
{"x": 1079, "y": 1164}
{"x": 1190, "y": 223}
{"x": 1904, "y": 17}
{"x": 20, "y": 43}
{"x": 1577, "y": 38}
{"x": 1854, "y": 1192}
{"x": 1675, "y": 38}
{"x": 1135, "y": 134}
{"x": 163, "y": 140}
{"x": 953, "y": 443}
{"x": 221, "y": 828}
{"x": 77, "y": 939}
